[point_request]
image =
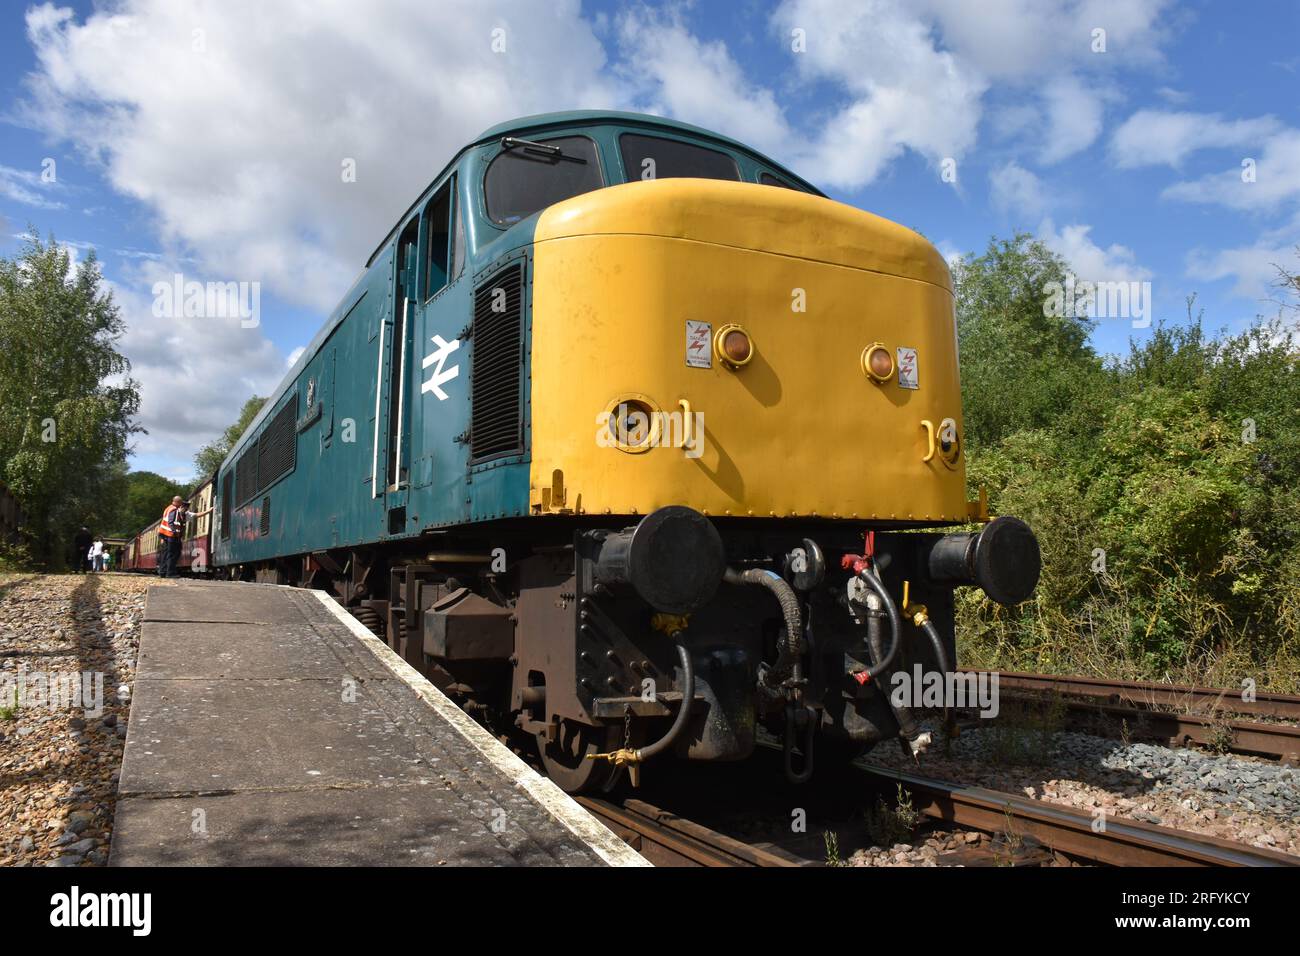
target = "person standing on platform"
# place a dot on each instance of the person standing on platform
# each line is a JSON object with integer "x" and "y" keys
{"x": 170, "y": 531}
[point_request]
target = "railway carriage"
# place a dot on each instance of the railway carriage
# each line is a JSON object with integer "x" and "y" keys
{"x": 196, "y": 553}
{"x": 142, "y": 552}
{"x": 634, "y": 442}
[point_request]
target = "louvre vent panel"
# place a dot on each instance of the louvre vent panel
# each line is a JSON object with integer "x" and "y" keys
{"x": 264, "y": 526}
{"x": 277, "y": 449}
{"x": 496, "y": 367}
{"x": 265, "y": 461}
{"x": 246, "y": 474}
{"x": 225, "y": 506}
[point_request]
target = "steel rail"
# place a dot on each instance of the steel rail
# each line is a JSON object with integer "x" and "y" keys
{"x": 1070, "y": 832}
{"x": 669, "y": 840}
{"x": 666, "y": 839}
{"x": 1146, "y": 694}
{"x": 1277, "y": 741}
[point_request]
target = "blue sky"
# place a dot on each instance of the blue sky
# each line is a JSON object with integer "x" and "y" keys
{"x": 206, "y": 138}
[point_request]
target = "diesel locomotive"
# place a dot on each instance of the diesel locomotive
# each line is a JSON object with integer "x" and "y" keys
{"x": 634, "y": 443}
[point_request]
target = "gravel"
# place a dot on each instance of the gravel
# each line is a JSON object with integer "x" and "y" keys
{"x": 59, "y": 765}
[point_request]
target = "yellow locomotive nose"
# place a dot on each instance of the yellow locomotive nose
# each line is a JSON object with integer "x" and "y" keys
{"x": 633, "y": 285}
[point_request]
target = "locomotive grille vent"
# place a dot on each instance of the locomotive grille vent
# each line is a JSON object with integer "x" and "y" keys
{"x": 277, "y": 449}
{"x": 264, "y": 526}
{"x": 246, "y": 474}
{"x": 225, "y": 506}
{"x": 496, "y": 367}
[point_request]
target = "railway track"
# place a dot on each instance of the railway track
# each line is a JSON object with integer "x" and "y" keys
{"x": 1204, "y": 700}
{"x": 1173, "y": 714}
{"x": 667, "y": 838}
{"x": 1071, "y": 832}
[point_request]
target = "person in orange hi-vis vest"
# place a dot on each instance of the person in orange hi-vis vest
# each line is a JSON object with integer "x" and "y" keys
{"x": 170, "y": 532}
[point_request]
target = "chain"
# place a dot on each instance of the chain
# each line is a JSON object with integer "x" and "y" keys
{"x": 627, "y": 727}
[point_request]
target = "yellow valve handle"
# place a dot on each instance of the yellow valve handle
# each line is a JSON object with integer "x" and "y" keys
{"x": 618, "y": 758}
{"x": 929, "y": 437}
{"x": 918, "y": 614}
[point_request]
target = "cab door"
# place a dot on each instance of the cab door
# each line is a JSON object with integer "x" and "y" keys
{"x": 392, "y": 452}
{"x": 439, "y": 390}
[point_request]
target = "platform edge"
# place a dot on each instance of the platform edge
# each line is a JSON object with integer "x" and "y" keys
{"x": 558, "y": 803}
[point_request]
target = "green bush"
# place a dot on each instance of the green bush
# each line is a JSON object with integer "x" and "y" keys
{"x": 1170, "y": 532}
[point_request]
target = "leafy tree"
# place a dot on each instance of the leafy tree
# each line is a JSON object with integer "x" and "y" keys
{"x": 1022, "y": 367}
{"x": 1289, "y": 284}
{"x": 1164, "y": 487}
{"x": 145, "y": 496}
{"x": 66, "y": 397}
{"x": 210, "y": 456}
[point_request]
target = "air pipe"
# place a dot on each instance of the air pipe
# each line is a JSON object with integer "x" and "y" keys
{"x": 790, "y": 653}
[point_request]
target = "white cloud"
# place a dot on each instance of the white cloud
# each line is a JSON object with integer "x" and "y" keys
{"x": 238, "y": 147}
{"x": 902, "y": 90}
{"x": 1253, "y": 268}
{"x": 670, "y": 71}
{"x": 1163, "y": 137}
{"x": 1268, "y": 185}
{"x": 1074, "y": 118}
{"x": 26, "y": 187}
{"x": 1016, "y": 43}
{"x": 1014, "y": 40}
{"x": 897, "y": 89}
{"x": 1276, "y": 179}
{"x": 296, "y": 354}
{"x": 194, "y": 373}
{"x": 237, "y": 150}
{"x": 1017, "y": 192}
{"x": 1089, "y": 261}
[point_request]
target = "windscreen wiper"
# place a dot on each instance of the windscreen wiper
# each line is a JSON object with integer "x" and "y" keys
{"x": 549, "y": 150}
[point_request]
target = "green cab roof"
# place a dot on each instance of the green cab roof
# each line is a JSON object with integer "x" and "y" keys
{"x": 595, "y": 117}
{"x": 543, "y": 121}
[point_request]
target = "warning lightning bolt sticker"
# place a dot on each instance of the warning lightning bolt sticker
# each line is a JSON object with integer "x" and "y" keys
{"x": 438, "y": 359}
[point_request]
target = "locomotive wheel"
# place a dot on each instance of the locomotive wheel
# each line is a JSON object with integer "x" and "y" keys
{"x": 565, "y": 760}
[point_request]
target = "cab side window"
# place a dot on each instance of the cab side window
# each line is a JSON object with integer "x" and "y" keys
{"x": 653, "y": 157}
{"x": 440, "y": 241}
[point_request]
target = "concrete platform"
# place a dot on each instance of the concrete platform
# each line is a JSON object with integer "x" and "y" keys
{"x": 269, "y": 727}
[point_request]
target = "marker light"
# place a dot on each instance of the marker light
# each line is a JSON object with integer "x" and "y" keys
{"x": 878, "y": 363}
{"x": 733, "y": 346}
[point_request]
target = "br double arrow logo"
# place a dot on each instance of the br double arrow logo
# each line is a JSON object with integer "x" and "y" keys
{"x": 438, "y": 359}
